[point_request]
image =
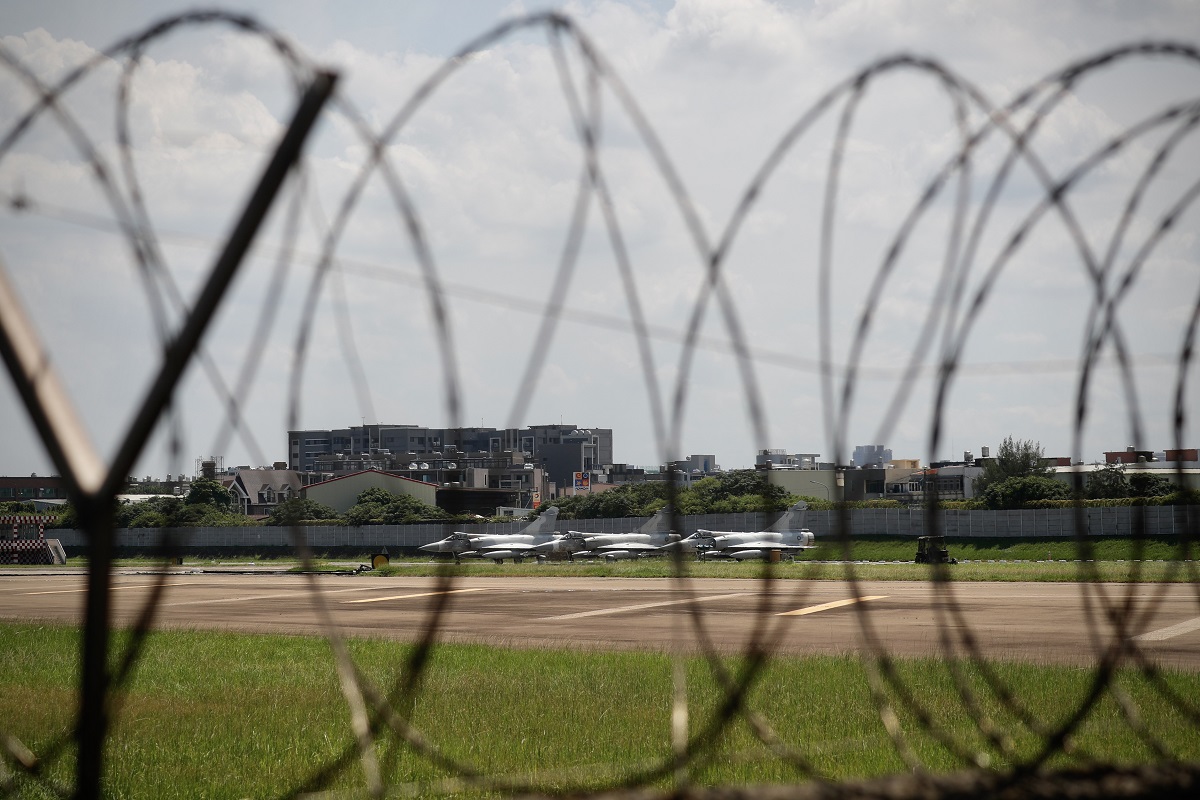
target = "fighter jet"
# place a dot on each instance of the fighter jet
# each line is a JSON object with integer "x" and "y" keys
{"x": 499, "y": 546}
{"x": 645, "y": 541}
{"x": 786, "y": 536}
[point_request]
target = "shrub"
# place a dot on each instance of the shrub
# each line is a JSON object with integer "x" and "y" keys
{"x": 1014, "y": 493}
{"x": 380, "y": 507}
{"x": 300, "y": 509}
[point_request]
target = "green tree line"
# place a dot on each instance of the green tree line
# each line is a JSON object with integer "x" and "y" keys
{"x": 1018, "y": 478}
{"x": 1021, "y": 477}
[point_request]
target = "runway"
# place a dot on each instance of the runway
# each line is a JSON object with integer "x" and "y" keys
{"x": 1037, "y": 622}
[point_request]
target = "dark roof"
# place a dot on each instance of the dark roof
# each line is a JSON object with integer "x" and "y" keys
{"x": 254, "y": 481}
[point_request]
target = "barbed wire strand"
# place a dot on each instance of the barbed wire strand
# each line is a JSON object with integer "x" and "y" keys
{"x": 1112, "y": 621}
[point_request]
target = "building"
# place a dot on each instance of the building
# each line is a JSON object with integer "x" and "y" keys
{"x": 869, "y": 483}
{"x": 825, "y": 484}
{"x": 696, "y": 465}
{"x": 621, "y": 475}
{"x": 872, "y": 455}
{"x": 561, "y": 453}
{"x": 341, "y": 493}
{"x": 256, "y": 492}
{"x": 532, "y": 461}
{"x": 32, "y": 488}
{"x": 1128, "y": 456}
{"x": 947, "y": 481}
{"x": 1180, "y": 467}
{"x": 1148, "y": 459}
{"x": 781, "y": 459}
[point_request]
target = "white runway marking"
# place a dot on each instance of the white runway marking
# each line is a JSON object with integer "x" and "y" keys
{"x": 407, "y": 596}
{"x": 826, "y": 606}
{"x": 114, "y": 588}
{"x": 1171, "y": 632}
{"x": 299, "y": 592}
{"x": 639, "y": 607}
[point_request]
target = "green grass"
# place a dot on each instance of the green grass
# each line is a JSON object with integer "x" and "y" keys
{"x": 1150, "y": 572}
{"x": 223, "y": 715}
{"x": 880, "y": 548}
{"x": 1116, "y": 559}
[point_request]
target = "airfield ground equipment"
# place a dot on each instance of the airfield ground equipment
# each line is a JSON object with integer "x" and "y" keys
{"x": 932, "y": 550}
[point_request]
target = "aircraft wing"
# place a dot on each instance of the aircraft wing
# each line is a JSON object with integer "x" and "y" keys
{"x": 514, "y": 546}
{"x": 764, "y": 546}
{"x": 639, "y": 546}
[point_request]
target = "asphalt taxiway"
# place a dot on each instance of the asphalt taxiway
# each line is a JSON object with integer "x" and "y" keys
{"x": 1068, "y": 623}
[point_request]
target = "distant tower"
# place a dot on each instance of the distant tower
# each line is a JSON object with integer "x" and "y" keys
{"x": 209, "y": 466}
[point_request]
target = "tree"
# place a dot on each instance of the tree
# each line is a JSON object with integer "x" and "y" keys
{"x": 208, "y": 492}
{"x": 156, "y": 512}
{"x": 376, "y": 494}
{"x": 1108, "y": 483}
{"x": 378, "y": 506}
{"x": 737, "y": 490}
{"x": 1146, "y": 484}
{"x": 298, "y": 509}
{"x": 1012, "y": 493}
{"x": 1015, "y": 459}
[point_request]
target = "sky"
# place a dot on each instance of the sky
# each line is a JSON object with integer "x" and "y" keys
{"x": 492, "y": 162}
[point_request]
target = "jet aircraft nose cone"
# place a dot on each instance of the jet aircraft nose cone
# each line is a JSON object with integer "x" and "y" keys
{"x": 431, "y": 548}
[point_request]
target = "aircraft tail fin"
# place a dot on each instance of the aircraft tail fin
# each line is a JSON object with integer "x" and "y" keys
{"x": 792, "y": 519}
{"x": 544, "y": 523}
{"x": 659, "y": 523}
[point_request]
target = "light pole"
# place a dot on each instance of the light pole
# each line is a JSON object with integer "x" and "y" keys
{"x": 823, "y": 486}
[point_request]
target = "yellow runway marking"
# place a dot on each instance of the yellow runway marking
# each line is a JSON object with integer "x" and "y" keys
{"x": 409, "y": 596}
{"x": 113, "y": 589}
{"x": 639, "y": 607}
{"x": 799, "y": 612}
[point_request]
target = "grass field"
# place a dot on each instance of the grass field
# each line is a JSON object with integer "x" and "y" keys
{"x": 223, "y": 715}
{"x": 1107, "y": 571}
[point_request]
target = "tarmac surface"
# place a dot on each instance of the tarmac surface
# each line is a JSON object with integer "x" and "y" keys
{"x": 1038, "y": 622}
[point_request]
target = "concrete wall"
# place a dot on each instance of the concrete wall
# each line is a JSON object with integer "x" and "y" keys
{"x": 820, "y": 483}
{"x": 1042, "y": 523}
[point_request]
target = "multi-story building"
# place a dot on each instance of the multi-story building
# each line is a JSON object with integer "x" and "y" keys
{"x": 1148, "y": 459}
{"x": 949, "y": 481}
{"x": 23, "y": 489}
{"x": 872, "y": 455}
{"x": 697, "y": 465}
{"x": 1180, "y": 467}
{"x": 529, "y": 461}
{"x": 778, "y": 458}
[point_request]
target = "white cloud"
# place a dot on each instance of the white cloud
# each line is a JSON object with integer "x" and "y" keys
{"x": 492, "y": 160}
